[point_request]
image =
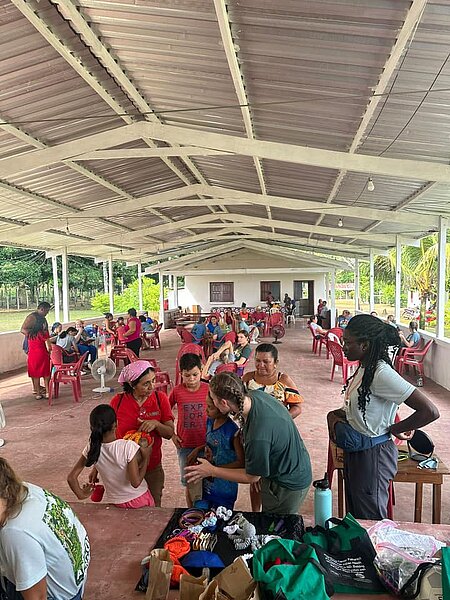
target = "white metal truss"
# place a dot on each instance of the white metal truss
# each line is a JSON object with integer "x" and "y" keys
{"x": 410, "y": 23}
{"x": 113, "y": 66}
{"x": 239, "y": 85}
{"x": 125, "y": 153}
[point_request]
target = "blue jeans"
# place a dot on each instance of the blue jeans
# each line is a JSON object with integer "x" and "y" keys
{"x": 88, "y": 348}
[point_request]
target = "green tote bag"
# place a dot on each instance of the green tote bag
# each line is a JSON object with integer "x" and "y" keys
{"x": 299, "y": 576}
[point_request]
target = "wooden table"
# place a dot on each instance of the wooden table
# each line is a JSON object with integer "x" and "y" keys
{"x": 409, "y": 473}
{"x": 121, "y": 538}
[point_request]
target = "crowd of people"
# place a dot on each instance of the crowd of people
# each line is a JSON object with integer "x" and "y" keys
{"x": 228, "y": 430}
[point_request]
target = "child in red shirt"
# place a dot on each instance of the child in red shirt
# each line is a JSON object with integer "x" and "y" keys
{"x": 190, "y": 398}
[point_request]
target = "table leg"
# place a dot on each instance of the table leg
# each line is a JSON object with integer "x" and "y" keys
{"x": 418, "y": 503}
{"x": 340, "y": 494}
{"x": 437, "y": 490}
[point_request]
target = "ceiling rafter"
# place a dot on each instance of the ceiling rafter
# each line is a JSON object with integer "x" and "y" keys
{"x": 410, "y": 23}
{"x": 239, "y": 84}
{"x": 114, "y": 68}
{"x": 126, "y": 153}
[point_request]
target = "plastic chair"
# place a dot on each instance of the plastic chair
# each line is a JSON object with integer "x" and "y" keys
{"x": 187, "y": 349}
{"x": 118, "y": 353}
{"x": 163, "y": 382}
{"x": 318, "y": 342}
{"x": 65, "y": 373}
{"x": 339, "y": 360}
{"x": 229, "y": 367}
{"x": 153, "y": 338}
{"x": 153, "y": 364}
{"x": 330, "y": 336}
{"x": 414, "y": 358}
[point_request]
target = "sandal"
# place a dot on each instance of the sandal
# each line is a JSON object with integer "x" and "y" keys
{"x": 39, "y": 396}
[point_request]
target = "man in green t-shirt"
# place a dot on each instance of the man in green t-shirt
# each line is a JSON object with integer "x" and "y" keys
{"x": 275, "y": 454}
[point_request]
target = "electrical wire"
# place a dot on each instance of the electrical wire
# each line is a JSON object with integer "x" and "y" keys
{"x": 252, "y": 105}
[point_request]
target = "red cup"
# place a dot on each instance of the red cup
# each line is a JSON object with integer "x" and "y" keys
{"x": 97, "y": 493}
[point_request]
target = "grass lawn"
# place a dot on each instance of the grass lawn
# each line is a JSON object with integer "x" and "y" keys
{"x": 12, "y": 320}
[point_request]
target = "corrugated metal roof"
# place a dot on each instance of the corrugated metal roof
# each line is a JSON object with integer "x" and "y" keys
{"x": 307, "y": 72}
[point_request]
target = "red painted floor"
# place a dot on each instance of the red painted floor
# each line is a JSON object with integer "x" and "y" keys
{"x": 42, "y": 443}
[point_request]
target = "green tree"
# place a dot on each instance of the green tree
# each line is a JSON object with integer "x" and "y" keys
{"x": 130, "y": 297}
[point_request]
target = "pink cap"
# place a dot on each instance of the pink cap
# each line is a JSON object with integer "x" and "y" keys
{"x": 133, "y": 371}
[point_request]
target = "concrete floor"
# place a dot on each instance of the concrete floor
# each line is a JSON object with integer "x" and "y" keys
{"x": 42, "y": 443}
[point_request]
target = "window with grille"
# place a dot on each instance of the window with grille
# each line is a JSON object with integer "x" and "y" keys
{"x": 221, "y": 291}
{"x": 270, "y": 287}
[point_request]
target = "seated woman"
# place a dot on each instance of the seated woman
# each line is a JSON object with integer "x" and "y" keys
{"x": 109, "y": 324}
{"x": 240, "y": 353}
{"x": 121, "y": 328}
{"x": 244, "y": 312}
{"x": 145, "y": 328}
{"x": 210, "y": 367}
{"x": 241, "y": 324}
{"x": 342, "y": 320}
{"x": 199, "y": 330}
{"x": 67, "y": 341}
{"x": 317, "y": 329}
{"x": 229, "y": 319}
{"x": 85, "y": 342}
{"x": 413, "y": 339}
{"x": 214, "y": 329}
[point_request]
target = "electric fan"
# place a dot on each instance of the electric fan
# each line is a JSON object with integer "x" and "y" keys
{"x": 103, "y": 369}
{"x": 278, "y": 331}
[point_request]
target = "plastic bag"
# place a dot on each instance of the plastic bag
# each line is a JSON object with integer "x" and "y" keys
{"x": 416, "y": 545}
{"x": 399, "y": 571}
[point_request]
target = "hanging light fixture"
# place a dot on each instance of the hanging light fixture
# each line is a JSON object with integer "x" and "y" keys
{"x": 340, "y": 223}
{"x": 370, "y": 185}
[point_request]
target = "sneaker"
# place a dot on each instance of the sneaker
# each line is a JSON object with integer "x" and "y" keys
{"x": 82, "y": 372}
{"x": 420, "y": 382}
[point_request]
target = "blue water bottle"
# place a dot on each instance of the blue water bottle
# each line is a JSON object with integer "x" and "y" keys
{"x": 323, "y": 501}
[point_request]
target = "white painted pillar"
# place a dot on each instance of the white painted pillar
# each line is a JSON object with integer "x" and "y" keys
{"x": 356, "y": 279}
{"x": 141, "y": 300}
{"x": 161, "y": 298}
{"x": 175, "y": 291}
{"x": 371, "y": 280}
{"x": 398, "y": 278}
{"x": 327, "y": 288}
{"x": 65, "y": 286}
{"x": 105, "y": 277}
{"x": 440, "y": 304}
{"x": 56, "y": 288}
{"x": 111, "y": 285}
{"x": 333, "y": 299}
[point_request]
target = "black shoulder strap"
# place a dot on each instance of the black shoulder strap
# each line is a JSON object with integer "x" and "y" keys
{"x": 120, "y": 402}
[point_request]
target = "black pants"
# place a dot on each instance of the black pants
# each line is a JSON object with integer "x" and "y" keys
{"x": 135, "y": 345}
{"x": 367, "y": 475}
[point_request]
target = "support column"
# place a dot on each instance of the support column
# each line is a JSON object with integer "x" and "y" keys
{"x": 371, "y": 281}
{"x": 327, "y": 288}
{"x": 111, "y": 285}
{"x": 161, "y": 298}
{"x": 356, "y": 292}
{"x": 175, "y": 290}
{"x": 56, "y": 287}
{"x": 333, "y": 299}
{"x": 65, "y": 286}
{"x": 141, "y": 300}
{"x": 105, "y": 277}
{"x": 398, "y": 278}
{"x": 440, "y": 304}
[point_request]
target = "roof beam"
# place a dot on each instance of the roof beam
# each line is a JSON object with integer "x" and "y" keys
{"x": 410, "y": 23}
{"x": 124, "y": 153}
{"x": 291, "y": 153}
{"x": 112, "y": 64}
{"x": 239, "y": 85}
{"x": 114, "y": 209}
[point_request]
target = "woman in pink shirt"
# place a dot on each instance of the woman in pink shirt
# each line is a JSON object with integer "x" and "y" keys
{"x": 133, "y": 334}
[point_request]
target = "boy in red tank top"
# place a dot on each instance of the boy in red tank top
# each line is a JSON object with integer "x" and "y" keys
{"x": 190, "y": 398}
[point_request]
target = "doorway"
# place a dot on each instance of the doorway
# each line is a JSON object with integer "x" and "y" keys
{"x": 304, "y": 297}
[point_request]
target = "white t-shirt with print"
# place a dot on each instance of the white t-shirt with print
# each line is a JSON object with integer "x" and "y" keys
{"x": 387, "y": 391}
{"x": 45, "y": 540}
{"x": 112, "y": 467}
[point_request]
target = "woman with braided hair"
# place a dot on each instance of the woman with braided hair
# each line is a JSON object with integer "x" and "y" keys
{"x": 275, "y": 453}
{"x": 372, "y": 398}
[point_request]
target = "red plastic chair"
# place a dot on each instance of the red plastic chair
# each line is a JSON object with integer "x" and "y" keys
{"x": 413, "y": 357}
{"x": 153, "y": 338}
{"x": 334, "y": 331}
{"x": 153, "y": 364}
{"x": 65, "y": 373}
{"x": 163, "y": 382}
{"x": 186, "y": 336}
{"x": 317, "y": 342}
{"x": 339, "y": 360}
{"x": 119, "y": 353}
{"x": 229, "y": 367}
{"x": 187, "y": 349}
